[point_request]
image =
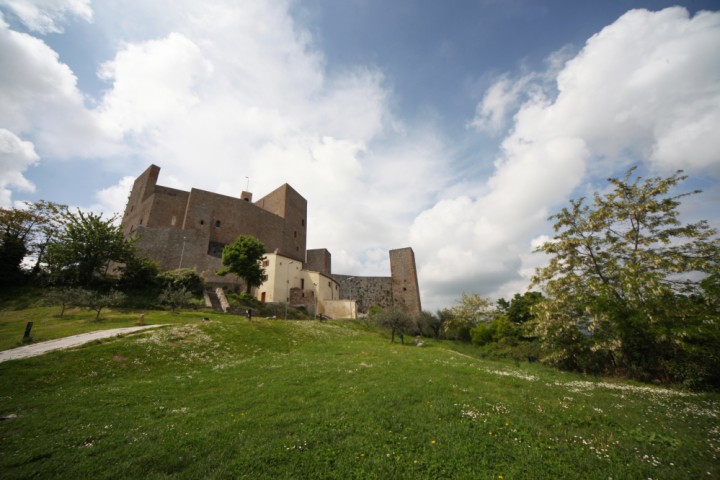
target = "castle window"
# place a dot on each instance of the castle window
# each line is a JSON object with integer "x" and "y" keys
{"x": 217, "y": 223}
{"x": 303, "y": 222}
{"x": 202, "y": 222}
{"x": 302, "y": 284}
{"x": 295, "y": 233}
{"x": 265, "y": 277}
{"x": 266, "y": 263}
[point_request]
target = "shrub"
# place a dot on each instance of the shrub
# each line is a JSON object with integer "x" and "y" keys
{"x": 183, "y": 278}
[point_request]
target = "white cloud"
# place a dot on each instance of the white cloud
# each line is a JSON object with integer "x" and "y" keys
{"x": 152, "y": 82}
{"x": 238, "y": 90}
{"x": 15, "y": 157}
{"x": 39, "y": 99}
{"x": 47, "y": 16}
{"x": 646, "y": 88}
{"x": 499, "y": 102}
{"x": 112, "y": 200}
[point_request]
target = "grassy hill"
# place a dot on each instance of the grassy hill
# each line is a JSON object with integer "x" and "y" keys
{"x": 230, "y": 398}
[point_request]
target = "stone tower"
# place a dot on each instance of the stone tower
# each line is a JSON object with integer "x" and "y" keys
{"x": 405, "y": 290}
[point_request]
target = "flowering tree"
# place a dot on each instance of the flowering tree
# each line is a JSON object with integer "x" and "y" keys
{"x": 624, "y": 283}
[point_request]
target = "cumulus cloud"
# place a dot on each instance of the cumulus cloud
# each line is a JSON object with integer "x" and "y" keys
{"x": 152, "y": 81}
{"x": 15, "y": 157}
{"x": 239, "y": 90}
{"x": 503, "y": 97}
{"x": 112, "y": 200}
{"x": 39, "y": 99}
{"x": 48, "y": 16}
{"x": 644, "y": 89}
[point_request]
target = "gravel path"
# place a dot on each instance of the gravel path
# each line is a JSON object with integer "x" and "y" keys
{"x": 36, "y": 349}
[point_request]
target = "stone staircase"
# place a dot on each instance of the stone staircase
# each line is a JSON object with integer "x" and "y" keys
{"x": 215, "y": 299}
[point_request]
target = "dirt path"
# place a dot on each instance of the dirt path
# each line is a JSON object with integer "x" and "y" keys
{"x": 36, "y": 349}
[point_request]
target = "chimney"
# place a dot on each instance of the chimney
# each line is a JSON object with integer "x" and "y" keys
{"x": 247, "y": 196}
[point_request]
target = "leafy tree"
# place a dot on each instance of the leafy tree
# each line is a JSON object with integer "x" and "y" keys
{"x": 175, "y": 297}
{"x": 243, "y": 257}
{"x": 82, "y": 251}
{"x": 519, "y": 308}
{"x": 186, "y": 278}
{"x": 625, "y": 283}
{"x": 96, "y": 301}
{"x": 395, "y": 319}
{"x": 66, "y": 296}
{"x": 139, "y": 273}
{"x": 26, "y": 231}
{"x": 472, "y": 310}
{"x": 430, "y": 324}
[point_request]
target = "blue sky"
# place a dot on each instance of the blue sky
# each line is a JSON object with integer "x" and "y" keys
{"x": 452, "y": 127}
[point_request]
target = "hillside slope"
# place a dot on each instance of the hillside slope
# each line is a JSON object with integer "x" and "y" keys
{"x": 272, "y": 399}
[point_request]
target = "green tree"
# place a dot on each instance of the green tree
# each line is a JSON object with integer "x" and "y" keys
{"x": 97, "y": 301}
{"x": 186, "y": 278}
{"x": 472, "y": 310}
{"x": 519, "y": 308}
{"x": 175, "y": 297}
{"x": 82, "y": 251}
{"x": 622, "y": 275}
{"x": 430, "y": 324}
{"x": 65, "y": 297}
{"x": 24, "y": 232}
{"x": 395, "y": 319}
{"x": 243, "y": 257}
{"x": 139, "y": 274}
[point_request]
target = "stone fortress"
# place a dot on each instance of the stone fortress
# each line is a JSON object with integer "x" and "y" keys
{"x": 181, "y": 229}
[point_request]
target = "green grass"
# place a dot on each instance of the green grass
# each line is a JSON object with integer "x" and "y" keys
{"x": 273, "y": 399}
{"x": 48, "y": 325}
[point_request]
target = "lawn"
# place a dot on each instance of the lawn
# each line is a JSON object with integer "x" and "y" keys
{"x": 231, "y": 398}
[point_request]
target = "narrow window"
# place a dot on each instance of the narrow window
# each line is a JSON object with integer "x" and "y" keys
{"x": 302, "y": 284}
{"x": 295, "y": 233}
{"x": 217, "y": 223}
{"x": 303, "y": 222}
{"x": 202, "y": 222}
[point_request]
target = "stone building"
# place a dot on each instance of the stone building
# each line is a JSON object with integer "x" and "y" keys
{"x": 188, "y": 229}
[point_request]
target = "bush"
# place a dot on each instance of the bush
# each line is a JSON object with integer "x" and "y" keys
{"x": 181, "y": 278}
{"x": 139, "y": 274}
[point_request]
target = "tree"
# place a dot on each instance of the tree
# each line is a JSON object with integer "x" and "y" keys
{"x": 96, "y": 301}
{"x": 180, "y": 278}
{"x": 519, "y": 308}
{"x": 66, "y": 296}
{"x": 175, "y": 297}
{"x": 394, "y": 318}
{"x": 83, "y": 249}
{"x": 243, "y": 257}
{"x": 139, "y": 274}
{"x": 26, "y": 231}
{"x": 472, "y": 310}
{"x": 431, "y": 324}
{"x": 622, "y": 275}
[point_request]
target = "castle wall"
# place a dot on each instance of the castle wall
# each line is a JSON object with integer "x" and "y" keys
{"x": 367, "y": 291}
{"x": 167, "y": 207}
